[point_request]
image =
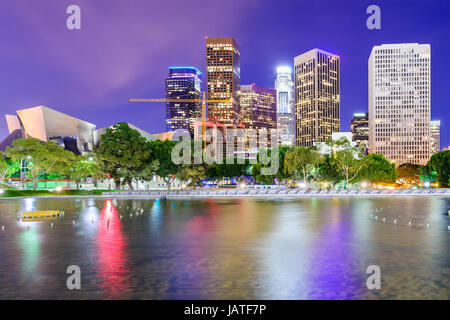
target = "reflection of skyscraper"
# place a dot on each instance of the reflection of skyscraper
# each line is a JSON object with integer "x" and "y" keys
{"x": 285, "y": 105}
{"x": 317, "y": 98}
{"x": 223, "y": 80}
{"x": 183, "y": 83}
{"x": 359, "y": 127}
{"x": 435, "y": 126}
{"x": 399, "y": 102}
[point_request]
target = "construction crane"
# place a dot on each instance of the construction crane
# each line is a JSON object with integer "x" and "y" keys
{"x": 180, "y": 99}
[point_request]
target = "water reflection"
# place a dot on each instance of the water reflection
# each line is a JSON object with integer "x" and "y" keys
{"x": 112, "y": 266}
{"x": 315, "y": 248}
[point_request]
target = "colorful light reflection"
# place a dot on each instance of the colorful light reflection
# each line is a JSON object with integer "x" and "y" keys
{"x": 112, "y": 260}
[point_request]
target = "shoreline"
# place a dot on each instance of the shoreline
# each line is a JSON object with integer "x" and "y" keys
{"x": 238, "y": 194}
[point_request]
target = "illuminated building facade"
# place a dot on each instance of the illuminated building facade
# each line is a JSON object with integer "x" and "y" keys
{"x": 223, "y": 80}
{"x": 183, "y": 83}
{"x": 284, "y": 87}
{"x": 435, "y": 126}
{"x": 317, "y": 96}
{"x": 359, "y": 127}
{"x": 399, "y": 102}
{"x": 72, "y": 134}
{"x": 258, "y": 107}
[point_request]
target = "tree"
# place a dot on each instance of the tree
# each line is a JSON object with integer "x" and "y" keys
{"x": 192, "y": 174}
{"x": 124, "y": 154}
{"x": 440, "y": 163}
{"x": 226, "y": 169}
{"x": 82, "y": 167}
{"x": 43, "y": 157}
{"x": 348, "y": 159}
{"x": 281, "y": 175}
{"x": 166, "y": 169}
{"x": 329, "y": 171}
{"x": 7, "y": 166}
{"x": 409, "y": 173}
{"x": 302, "y": 162}
{"x": 377, "y": 169}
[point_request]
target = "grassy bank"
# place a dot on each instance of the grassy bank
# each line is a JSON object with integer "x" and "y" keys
{"x": 7, "y": 193}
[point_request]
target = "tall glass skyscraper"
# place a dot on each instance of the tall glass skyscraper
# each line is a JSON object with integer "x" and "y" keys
{"x": 183, "y": 83}
{"x": 285, "y": 106}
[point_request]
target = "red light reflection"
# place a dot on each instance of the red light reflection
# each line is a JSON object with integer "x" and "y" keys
{"x": 112, "y": 260}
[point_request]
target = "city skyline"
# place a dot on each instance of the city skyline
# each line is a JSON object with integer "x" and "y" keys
{"x": 71, "y": 82}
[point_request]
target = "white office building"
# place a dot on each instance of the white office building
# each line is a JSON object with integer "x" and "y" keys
{"x": 400, "y": 101}
{"x": 285, "y": 105}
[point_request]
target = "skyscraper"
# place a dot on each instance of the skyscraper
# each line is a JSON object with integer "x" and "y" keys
{"x": 317, "y": 97}
{"x": 435, "y": 126}
{"x": 359, "y": 127}
{"x": 258, "y": 107}
{"x": 223, "y": 80}
{"x": 183, "y": 83}
{"x": 285, "y": 105}
{"x": 399, "y": 102}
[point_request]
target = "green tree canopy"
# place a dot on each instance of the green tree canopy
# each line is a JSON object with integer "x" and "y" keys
{"x": 226, "y": 169}
{"x": 8, "y": 167}
{"x": 329, "y": 171}
{"x": 409, "y": 173}
{"x": 42, "y": 157}
{"x": 124, "y": 154}
{"x": 162, "y": 153}
{"x": 377, "y": 169}
{"x": 347, "y": 158}
{"x": 81, "y": 167}
{"x": 440, "y": 164}
{"x": 303, "y": 162}
{"x": 281, "y": 175}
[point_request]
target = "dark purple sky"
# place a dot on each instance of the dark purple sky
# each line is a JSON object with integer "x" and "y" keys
{"x": 125, "y": 47}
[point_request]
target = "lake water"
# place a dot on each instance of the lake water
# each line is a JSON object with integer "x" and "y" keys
{"x": 312, "y": 248}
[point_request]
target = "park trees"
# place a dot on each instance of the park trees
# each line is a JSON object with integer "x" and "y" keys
{"x": 43, "y": 157}
{"x": 348, "y": 159}
{"x": 409, "y": 174}
{"x": 191, "y": 174}
{"x": 227, "y": 169}
{"x": 377, "y": 168}
{"x": 81, "y": 167}
{"x": 7, "y": 166}
{"x": 439, "y": 163}
{"x": 166, "y": 168}
{"x": 124, "y": 154}
{"x": 281, "y": 174}
{"x": 302, "y": 162}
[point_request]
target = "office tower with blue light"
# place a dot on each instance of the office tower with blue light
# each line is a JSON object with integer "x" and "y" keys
{"x": 284, "y": 87}
{"x": 184, "y": 84}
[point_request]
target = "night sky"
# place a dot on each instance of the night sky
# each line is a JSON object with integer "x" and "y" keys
{"x": 125, "y": 47}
